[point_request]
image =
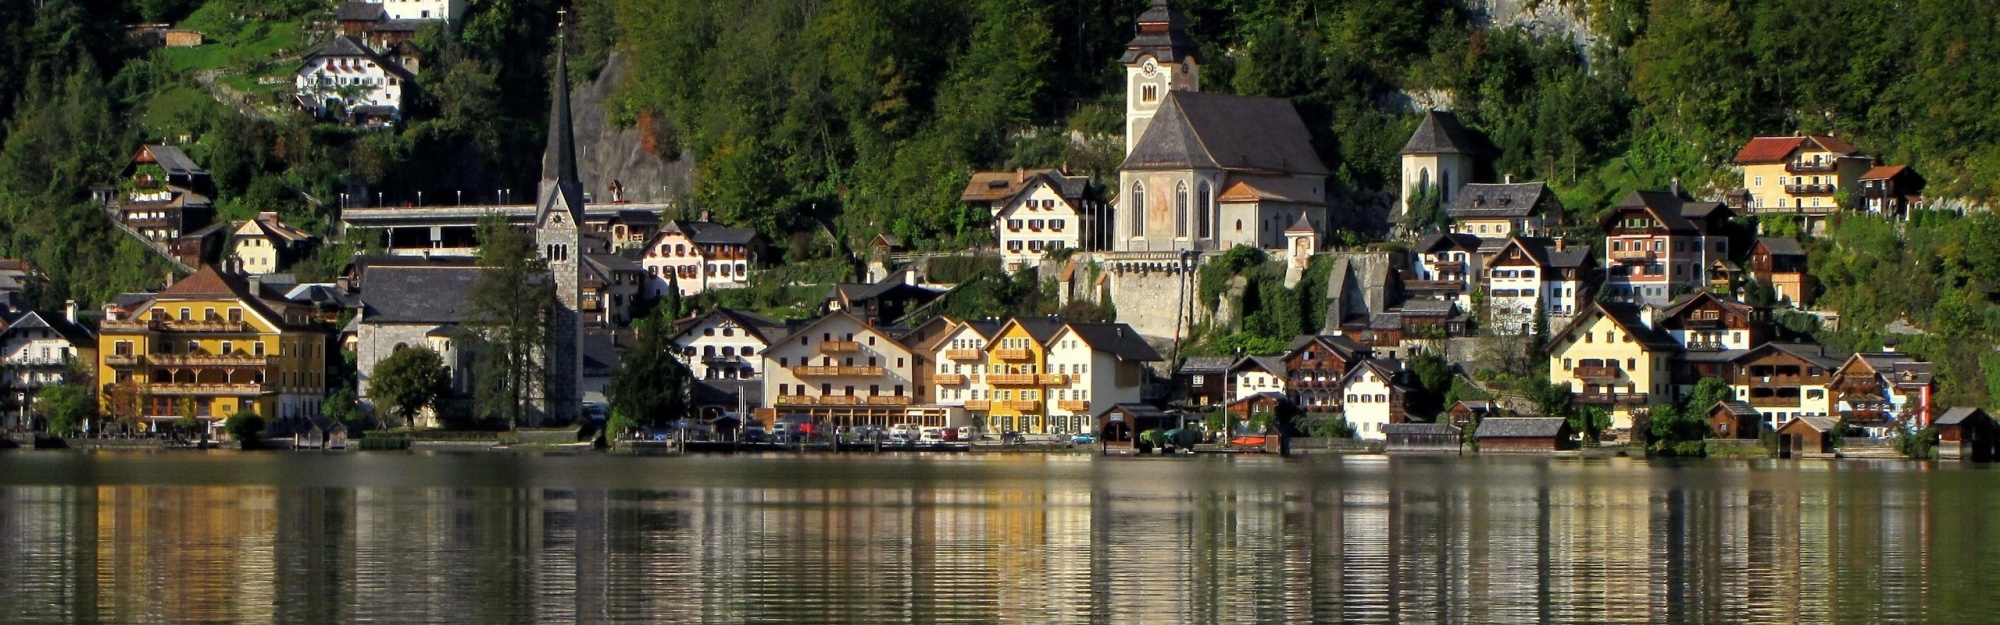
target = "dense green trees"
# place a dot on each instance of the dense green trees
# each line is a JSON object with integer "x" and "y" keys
{"x": 407, "y": 382}
{"x": 512, "y": 306}
{"x": 650, "y": 388}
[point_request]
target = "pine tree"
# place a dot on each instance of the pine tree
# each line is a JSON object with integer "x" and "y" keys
{"x": 651, "y": 386}
{"x": 512, "y": 305}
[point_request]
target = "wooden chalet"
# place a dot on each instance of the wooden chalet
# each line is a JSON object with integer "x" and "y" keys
{"x": 1204, "y": 380}
{"x": 1734, "y": 419}
{"x": 1423, "y": 438}
{"x": 1872, "y": 390}
{"x": 1807, "y": 437}
{"x": 1968, "y": 434}
{"x": 1314, "y": 365}
{"x": 1121, "y": 424}
{"x": 1467, "y": 411}
{"x": 1780, "y": 263}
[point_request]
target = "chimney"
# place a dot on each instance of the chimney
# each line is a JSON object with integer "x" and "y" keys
{"x": 1676, "y": 186}
{"x": 1020, "y": 175}
{"x": 1649, "y": 316}
{"x": 69, "y": 311}
{"x": 1510, "y": 178}
{"x": 256, "y": 285}
{"x": 1561, "y": 244}
{"x": 704, "y": 214}
{"x": 170, "y": 278}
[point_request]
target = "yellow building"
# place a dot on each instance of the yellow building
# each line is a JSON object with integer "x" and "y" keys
{"x": 1017, "y": 387}
{"x": 212, "y": 345}
{"x": 1614, "y": 356}
{"x": 1798, "y": 175}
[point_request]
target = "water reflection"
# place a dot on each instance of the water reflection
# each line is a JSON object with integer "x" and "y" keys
{"x": 371, "y": 538}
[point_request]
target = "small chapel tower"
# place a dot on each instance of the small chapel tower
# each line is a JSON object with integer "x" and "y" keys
{"x": 1161, "y": 58}
{"x": 559, "y": 235}
{"x": 1438, "y": 157}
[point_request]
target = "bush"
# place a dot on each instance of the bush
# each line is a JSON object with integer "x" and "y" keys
{"x": 245, "y": 428}
{"x": 385, "y": 443}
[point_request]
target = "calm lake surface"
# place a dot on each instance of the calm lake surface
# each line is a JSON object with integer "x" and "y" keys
{"x": 223, "y": 537}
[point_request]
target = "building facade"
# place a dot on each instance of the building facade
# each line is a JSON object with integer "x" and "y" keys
{"x": 727, "y": 344}
{"x": 1798, "y": 175}
{"x": 1780, "y": 263}
{"x": 266, "y": 245}
{"x": 38, "y": 350}
{"x": 1504, "y": 210}
{"x": 1438, "y": 160}
{"x": 700, "y": 255}
{"x": 1033, "y": 212}
{"x": 1375, "y": 394}
{"x": 840, "y": 371}
{"x": 346, "y": 78}
{"x": 1658, "y": 246}
{"x": 1611, "y": 356}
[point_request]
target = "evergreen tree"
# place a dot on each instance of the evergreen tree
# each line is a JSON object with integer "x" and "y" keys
{"x": 408, "y": 381}
{"x": 651, "y": 385}
{"x": 512, "y": 305}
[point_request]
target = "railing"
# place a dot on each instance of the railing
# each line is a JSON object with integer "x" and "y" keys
{"x": 1798, "y": 167}
{"x": 125, "y": 360}
{"x": 205, "y": 389}
{"x": 1611, "y": 398}
{"x": 34, "y": 362}
{"x": 840, "y": 400}
{"x": 1702, "y": 324}
{"x": 169, "y": 360}
{"x": 1630, "y": 256}
{"x": 949, "y": 378}
{"x": 1011, "y": 353}
{"x": 1434, "y": 285}
{"x": 977, "y": 404}
{"x": 1450, "y": 267}
{"x": 1055, "y": 379}
{"x": 1023, "y": 404}
{"x": 962, "y": 354}
{"x": 130, "y": 326}
{"x": 1074, "y": 405}
{"x": 1809, "y": 189}
{"x": 1597, "y": 373}
{"x": 829, "y": 372}
{"x": 795, "y": 400}
{"x": 889, "y": 400}
{"x": 839, "y": 347}
{"x": 1774, "y": 402}
{"x": 1011, "y": 378}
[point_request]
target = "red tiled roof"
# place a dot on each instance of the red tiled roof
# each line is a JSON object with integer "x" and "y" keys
{"x": 1777, "y": 149}
{"x": 1884, "y": 172}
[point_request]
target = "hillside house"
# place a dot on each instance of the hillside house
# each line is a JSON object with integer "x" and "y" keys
{"x": 1658, "y": 246}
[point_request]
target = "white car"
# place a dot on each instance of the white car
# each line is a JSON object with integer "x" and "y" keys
{"x": 933, "y": 435}
{"x": 903, "y": 432}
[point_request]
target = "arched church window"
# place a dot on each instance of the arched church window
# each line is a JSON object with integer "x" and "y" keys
{"x": 1138, "y": 204}
{"x": 1204, "y": 212}
{"x": 1424, "y": 178}
{"x": 1180, "y": 209}
{"x": 1444, "y": 194}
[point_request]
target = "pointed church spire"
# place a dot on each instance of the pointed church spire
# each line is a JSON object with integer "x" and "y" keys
{"x": 562, "y": 134}
{"x": 562, "y": 188}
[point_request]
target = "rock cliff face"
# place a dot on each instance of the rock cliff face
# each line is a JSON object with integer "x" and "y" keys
{"x": 606, "y": 153}
{"x": 1548, "y": 18}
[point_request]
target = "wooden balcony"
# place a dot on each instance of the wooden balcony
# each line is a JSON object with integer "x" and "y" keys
{"x": 795, "y": 400}
{"x": 1012, "y": 353}
{"x": 122, "y": 360}
{"x": 837, "y": 372}
{"x": 169, "y": 360}
{"x": 1611, "y": 398}
{"x": 949, "y": 378}
{"x": 204, "y": 327}
{"x": 1701, "y": 324}
{"x": 207, "y": 389}
{"x": 888, "y": 400}
{"x": 1052, "y": 379}
{"x": 963, "y": 354}
{"x": 1592, "y": 374}
{"x": 839, "y": 347}
{"x": 1797, "y": 167}
{"x": 841, "y": 400}
{"x": 1809, "y": 189}
{"x": 978, "y": 404}
{"x": 1074, "y": 405}
{"x": 1775, "y": 402}
{"x": 1011, "y": 379}
{"x": 1024, "y": 405}
{"x": 1632, "y": 256}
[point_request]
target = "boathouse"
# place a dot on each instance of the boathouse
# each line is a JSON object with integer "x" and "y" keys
{"x": 1121, "y": 424}
{"x": 1422, "y": 438}
{"x": 1805, "y": 437}
{"x": 1533, "y": 435}
{"x": 1734, "y": 419}
{"x": 1968, "y": 434}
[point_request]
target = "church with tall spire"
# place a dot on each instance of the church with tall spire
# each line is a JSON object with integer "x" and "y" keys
{"x": 559, "y": 207}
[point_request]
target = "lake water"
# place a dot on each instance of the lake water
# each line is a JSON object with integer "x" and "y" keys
{"x": 223, "y": 537}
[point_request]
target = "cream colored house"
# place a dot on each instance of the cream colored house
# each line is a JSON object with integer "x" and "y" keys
{"x": 840, "y": 371}
{"x": 1256, "y": 374}
{"x": 1375, "y": 394}
{"x": 1100, "y": 365}
{"x": 959, "y": 358}
{"x": 1613, "y": 355}
{"x": 265, "y": 244}
{"x": 1438, "y": 157}
{"x": 1799, "y": 175}
{"x": 1034, "y": 212}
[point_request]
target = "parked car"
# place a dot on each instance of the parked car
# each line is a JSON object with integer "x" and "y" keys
{"x": 1085, "y": 438}
{"x": 755, "y": 434}
{"x": 933, "y": 435}
{"x": 969, "y": 433}
{"x": 904, "y": 432}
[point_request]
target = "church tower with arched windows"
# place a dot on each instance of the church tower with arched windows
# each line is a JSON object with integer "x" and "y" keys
{"x": 559, "y": 210}
{"x": 1438, "y": 158}
{"x": 1161, "y": 58}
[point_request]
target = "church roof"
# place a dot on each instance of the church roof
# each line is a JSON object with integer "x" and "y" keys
{"x": 1196, "y": 130}
{"x": 436, "y": 294}
{"x": 1302, "y": 225}
{"x": 561, "y": 189}
{"x": 1482, "y": 200}
{"x": 1276, "y": 188}
{"x": 1439, "y": 133}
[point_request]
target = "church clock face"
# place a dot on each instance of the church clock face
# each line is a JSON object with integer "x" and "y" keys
{"x": 1149, "y": 68}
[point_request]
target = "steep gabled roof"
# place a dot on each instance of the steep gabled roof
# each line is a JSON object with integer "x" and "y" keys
{"x": 1438, "y": 133}
{"x": 1812, "y": 353}
{"x": 173, "y": 160}
{"x": 1884, "y": 172}
{"x": 360, "y": 12}
{"x": 1777, "y": 149}
{"x": 1958, "y": 415}
{"x": 1822, "y": 424}
{"x": 764, "y": 328}
{"x": 1438, "y": 241}
{"x": 402, "y": 294}
{"x": 1628, "y": 317}
{"x": 1117, "y": 339}
{"x": 1276, "y": 188}
{"x": 1736, "y": 409}
{"x": 1162, "y": 33}
{"x": 76, "y": 334}
{"x": 1270, "y": 364}
{"x": 989, "y": 186}
{"x": 1345, "y": 348}
{"x": 1194, "y": 130}
{"x": 1676, "y": 214}
{"x": 1202, "y": 365}
{"x": 1689, "y": 301}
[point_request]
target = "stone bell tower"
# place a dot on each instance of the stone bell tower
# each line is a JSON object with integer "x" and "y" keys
{"x": 559, "y": 235}
{"x": 1161, "y": 58}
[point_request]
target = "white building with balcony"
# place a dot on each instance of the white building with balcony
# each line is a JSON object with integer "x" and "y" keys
{"x": 346, "y": 79}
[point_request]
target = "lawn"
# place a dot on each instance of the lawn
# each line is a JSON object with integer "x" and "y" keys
{"x": 234, "y": 44}
{"x": 172, "y": 110}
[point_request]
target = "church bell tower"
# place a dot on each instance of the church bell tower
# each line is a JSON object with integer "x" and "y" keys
{"x": 559, "y": 215}
{"x": 1159, "y": 59}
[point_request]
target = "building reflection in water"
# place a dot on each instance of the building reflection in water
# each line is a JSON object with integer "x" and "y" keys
{"x": 1029, "y": 540}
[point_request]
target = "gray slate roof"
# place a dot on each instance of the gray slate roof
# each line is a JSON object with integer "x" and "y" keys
{"x": 1272, "y": 364}
{"x": 1781, "y": 246}
{"x": 1167, "y": 45}
{"x": 1521, "y": 427}
{"x": 1420, "y": 429}
{"x": 1737, "y": 409}
{"x": 1200, "y": 365}
{"x": 1215, "y": 131}
{"x": 1448, "y": 240}
{"x": 175, "y": 161}
{"x": 1822, "y": 424}
{"x": 30, "y": 320}
{"x": 404, "y": 294}
{"x": 1482, "y": 200}
{"x": 1957, "y": 415}
{"x": 1438, "y": 133}
{"x": 360, "y": 12}
{"x": 1117, "y": 339}
{"x": 1569, "y": 257}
